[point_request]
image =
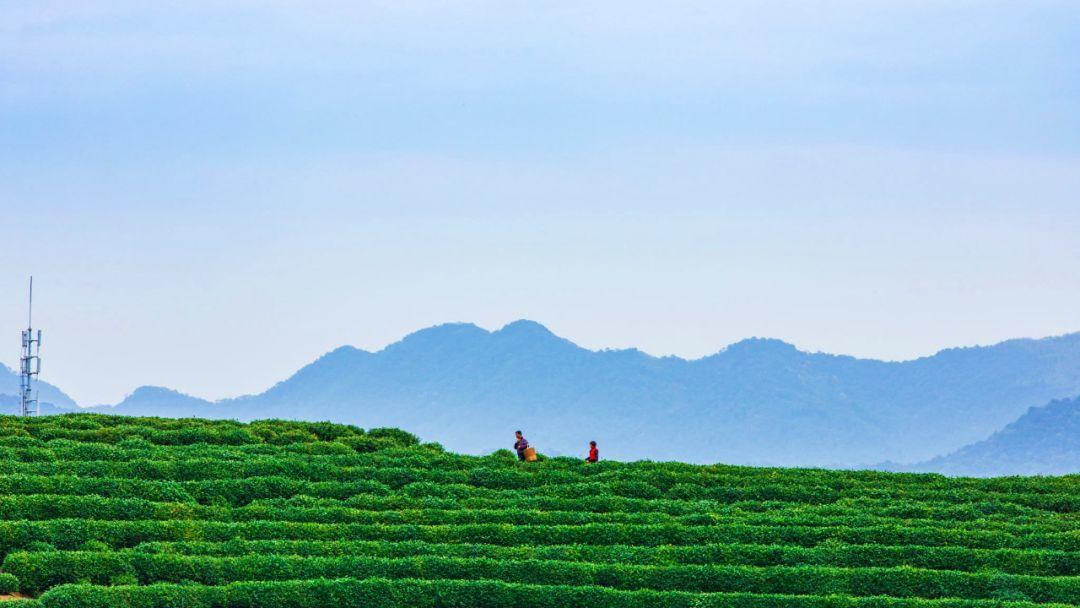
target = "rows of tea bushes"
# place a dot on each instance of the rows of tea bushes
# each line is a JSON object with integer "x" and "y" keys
{"x": 49, "y": 507}
{"x": 118, "y": 511}
{"x": 38, "y": 571}
{"x": 1012, "y": 561}
{"x": 381, "y": 593}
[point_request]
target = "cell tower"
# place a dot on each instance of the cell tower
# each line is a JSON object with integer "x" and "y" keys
{"x": 30, "y": 363}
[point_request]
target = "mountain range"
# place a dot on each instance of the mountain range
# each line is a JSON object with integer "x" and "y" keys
{"x": 759, "y": 401}
{"x": 1044, "y": 441}
{"x": 51, "y": 398}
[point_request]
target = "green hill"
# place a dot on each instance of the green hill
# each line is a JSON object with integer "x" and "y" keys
{"x": 107, "y": 511}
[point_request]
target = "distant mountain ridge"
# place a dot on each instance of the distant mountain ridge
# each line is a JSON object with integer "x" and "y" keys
{"x": 48, "y": 394}
{"x": 1044, "y": 441}
{"x": 759, "y": 401}
{"x": 160, "y": 401}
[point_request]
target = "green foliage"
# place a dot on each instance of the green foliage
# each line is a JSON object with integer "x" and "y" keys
{"x": 112, "y": 511}
{"x": 9, "y": 583}
{"x": 38, "y": 572}
{"x": 380, "y": 593}
{"x": 398, "y": 436}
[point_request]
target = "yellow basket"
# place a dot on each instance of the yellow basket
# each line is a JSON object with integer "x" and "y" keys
{"x": 530, "y": 454}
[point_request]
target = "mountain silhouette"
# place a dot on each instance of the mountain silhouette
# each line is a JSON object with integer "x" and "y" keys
{"x": 160, "y": 401}
{"x": 1044, "y": 441}
{"x": 51, "y": 398}
{"x": 759, "y": 401}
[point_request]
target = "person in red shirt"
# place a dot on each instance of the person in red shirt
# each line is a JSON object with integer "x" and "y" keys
{"x": 594, "y": 454}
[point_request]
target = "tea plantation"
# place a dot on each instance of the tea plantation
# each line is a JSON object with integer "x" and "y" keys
{"x": 110, "y": 511}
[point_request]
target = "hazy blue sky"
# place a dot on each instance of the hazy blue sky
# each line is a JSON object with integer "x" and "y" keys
{"x": 212, "y": 194}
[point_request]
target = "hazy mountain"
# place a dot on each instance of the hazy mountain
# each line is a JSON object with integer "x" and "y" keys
{"x": 1044, "y": 441}
{"x": 159, "y": 401}
{"x": 757, "y": 401}
{"x": 9, "y": 404}
{"x": 48, "y": 394}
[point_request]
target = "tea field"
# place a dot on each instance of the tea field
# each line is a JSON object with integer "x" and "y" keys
{"x": 108, "y": 511}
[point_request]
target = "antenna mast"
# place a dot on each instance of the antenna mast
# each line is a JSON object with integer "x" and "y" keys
{"x": 30, "y": 363}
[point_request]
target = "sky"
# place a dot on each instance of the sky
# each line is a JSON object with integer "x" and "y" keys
{"x": 212, "y": 194}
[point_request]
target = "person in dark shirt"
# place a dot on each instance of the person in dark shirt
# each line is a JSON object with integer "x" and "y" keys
{"x": 520, "y": 445}
{"x": 594, "y": 454}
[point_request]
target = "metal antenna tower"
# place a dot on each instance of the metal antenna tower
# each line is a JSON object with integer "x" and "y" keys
{"x": 30, "y": 363}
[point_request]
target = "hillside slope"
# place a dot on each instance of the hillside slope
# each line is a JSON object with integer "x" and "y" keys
{"x": 1045, "y": 440}
{"x": 109, "y": 511}
{"x": 758, "y": 401}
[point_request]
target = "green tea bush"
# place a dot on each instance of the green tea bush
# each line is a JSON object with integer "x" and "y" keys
{"x": 8, "y": 583}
